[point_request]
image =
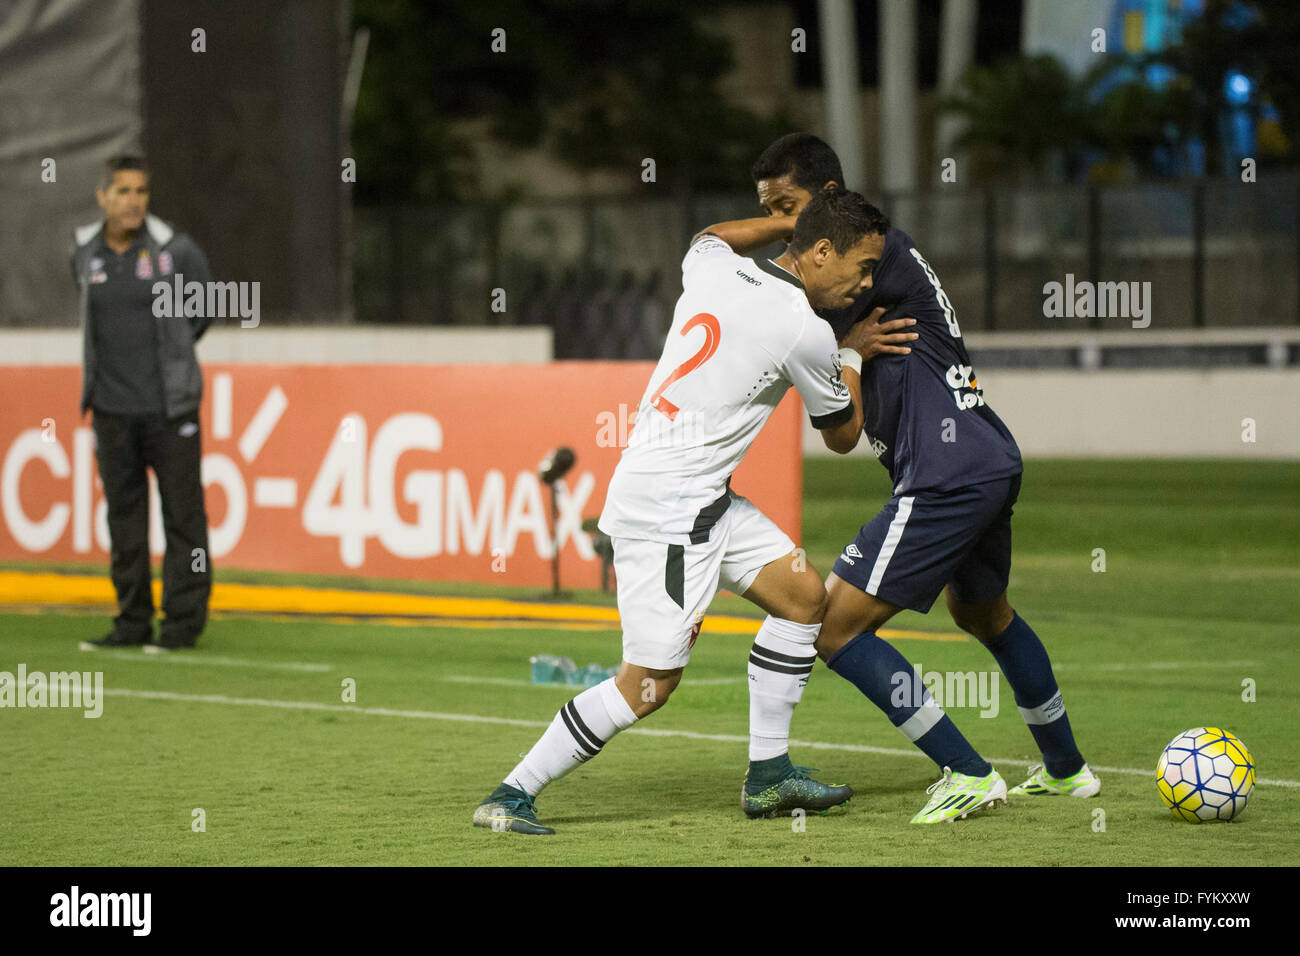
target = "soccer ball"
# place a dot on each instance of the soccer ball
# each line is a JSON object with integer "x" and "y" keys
{"x": 1205, "y": 774}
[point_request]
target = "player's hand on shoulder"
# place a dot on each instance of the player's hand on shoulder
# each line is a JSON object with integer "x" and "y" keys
{"x": 871, "y": 337}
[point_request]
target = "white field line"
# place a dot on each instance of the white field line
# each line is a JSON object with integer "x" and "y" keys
{"x": 647, "y": 731}
{"x": 1154, "y": 666}
{"x": 305, "y": 667}
{"x": 718, "y": 681}
{"x": 519, "y": 682}
{"x": 186, "y": 657}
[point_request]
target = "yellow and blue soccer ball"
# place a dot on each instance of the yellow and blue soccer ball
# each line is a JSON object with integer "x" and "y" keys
{"x": 1204, "y": 775}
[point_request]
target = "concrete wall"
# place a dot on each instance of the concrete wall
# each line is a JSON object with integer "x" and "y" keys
{"x": 351, "y": 345}
{"x": 1112, "y": 413}
{"x": 1147, "y": 413}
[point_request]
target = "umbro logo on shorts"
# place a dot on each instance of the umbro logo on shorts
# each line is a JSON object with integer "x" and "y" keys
{"x": 850, "y": 553}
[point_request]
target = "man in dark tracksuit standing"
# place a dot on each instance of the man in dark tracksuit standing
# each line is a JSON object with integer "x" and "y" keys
{"x": 142, "y": 379}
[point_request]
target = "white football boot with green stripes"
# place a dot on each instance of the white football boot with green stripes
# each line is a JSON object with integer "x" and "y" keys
{"x": 958, "y": 795}
{"x": 1085, "y": 783}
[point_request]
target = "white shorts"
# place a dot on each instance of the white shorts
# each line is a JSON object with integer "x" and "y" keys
{"x": 664, "y": 589}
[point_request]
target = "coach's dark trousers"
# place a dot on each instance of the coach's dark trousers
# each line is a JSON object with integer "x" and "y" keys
{"x": 124, "y": 446}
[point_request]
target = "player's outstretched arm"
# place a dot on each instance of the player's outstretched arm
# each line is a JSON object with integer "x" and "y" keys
{"x": 746, "y": 235}
{"x": 843, "y": 438}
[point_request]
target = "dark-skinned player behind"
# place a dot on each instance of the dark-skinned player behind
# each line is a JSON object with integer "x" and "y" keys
{"x": 956, "y": 473}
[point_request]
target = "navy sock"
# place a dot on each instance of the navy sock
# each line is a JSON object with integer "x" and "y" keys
{"x": 886, "y": 678}
{"x": 1028, "y": 670}
{"x": 764, "y": 773}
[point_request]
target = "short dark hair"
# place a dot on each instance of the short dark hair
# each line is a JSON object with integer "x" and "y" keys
{"x": 119, "y": 163}
{"x": 839, "y": 215}
{"x": 808, "y": 161}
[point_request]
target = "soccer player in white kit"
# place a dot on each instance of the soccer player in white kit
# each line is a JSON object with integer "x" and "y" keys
{"x": 743, "y": 332}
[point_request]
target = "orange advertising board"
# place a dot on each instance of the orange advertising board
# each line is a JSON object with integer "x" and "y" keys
{"x": 379, "y": 471}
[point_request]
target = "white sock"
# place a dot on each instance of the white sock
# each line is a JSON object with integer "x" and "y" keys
{"x": 581, "y": 728}
{"x": 779, "y": 665}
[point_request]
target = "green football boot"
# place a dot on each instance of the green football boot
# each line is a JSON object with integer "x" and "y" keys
{"x": 957, "y": 795}
{"x": 1085, "y": 783}
{"x": 509, "y": 810}
{"x": 795, "y": 791}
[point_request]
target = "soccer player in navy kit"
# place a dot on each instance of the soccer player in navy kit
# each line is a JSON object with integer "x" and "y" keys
{"x": 956, "y": 472}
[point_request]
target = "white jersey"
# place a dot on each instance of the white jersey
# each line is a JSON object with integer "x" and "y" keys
{"x": 742, "y": 334}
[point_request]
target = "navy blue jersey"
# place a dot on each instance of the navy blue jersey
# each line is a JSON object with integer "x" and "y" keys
{"x": 924, "y": 413}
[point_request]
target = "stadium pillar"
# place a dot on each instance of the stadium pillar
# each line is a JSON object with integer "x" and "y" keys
{"x": 956, "y": 52}
{"x": 840, "y": 81}
{"x": 897, "y": 131}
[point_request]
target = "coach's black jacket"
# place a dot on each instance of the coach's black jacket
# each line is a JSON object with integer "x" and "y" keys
{"x": 182, "y": 380}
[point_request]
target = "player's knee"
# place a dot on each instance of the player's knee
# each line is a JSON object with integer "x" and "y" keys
{"x": 973, "y": 623}
{"x": 646, "y": 690}
{"x": 654, "y": 693}
{"x": 821, "y": 601}
{"x": 963, "y": 615}
{"x": 983, "y": 621}
{"x": 832, "y": 636}
{"x": 810, "y": 603}
{"x": 823, "y": 645}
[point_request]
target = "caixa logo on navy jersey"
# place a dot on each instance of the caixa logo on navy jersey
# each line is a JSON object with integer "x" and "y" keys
{"x": 965, "y": 387}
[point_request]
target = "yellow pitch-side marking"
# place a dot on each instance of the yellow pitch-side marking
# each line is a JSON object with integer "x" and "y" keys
{"x": 20, "y": 588}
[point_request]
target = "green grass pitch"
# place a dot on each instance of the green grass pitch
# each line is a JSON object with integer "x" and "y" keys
{"x": 1201, "y": 591}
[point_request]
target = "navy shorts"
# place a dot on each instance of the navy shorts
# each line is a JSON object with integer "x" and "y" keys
{"x": 920, "y": 543}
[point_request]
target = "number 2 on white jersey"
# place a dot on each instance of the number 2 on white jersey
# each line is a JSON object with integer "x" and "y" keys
{"x": 712, "y": 335}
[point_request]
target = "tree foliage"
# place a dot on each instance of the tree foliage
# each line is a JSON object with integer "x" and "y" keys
{"x": 1018, "y": 112}
{"x": 1023, "y": 112}
{"x": 602, "y": 85}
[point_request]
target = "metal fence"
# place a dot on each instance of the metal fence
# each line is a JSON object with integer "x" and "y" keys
{"x": 605, "y": 274}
